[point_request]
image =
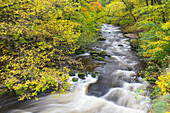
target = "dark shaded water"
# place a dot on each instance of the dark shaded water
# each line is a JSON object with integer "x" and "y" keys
{"x": 111, "y": 92}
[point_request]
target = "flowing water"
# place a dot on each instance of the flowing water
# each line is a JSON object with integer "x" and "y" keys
{"x": 112, "y": 92}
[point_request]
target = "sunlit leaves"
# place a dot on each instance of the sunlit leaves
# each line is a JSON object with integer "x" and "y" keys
{"x": 164, "y": 83}
{"x": 37, "y": 38}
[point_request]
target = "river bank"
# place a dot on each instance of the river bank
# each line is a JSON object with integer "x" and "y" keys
{"x": 113, "y": 91}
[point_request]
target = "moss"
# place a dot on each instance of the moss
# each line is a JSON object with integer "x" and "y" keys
{"x": 94, "y": 52}
{"x": 74, "y": 79}
{"x": 94, "y": 74}
{"x": 81, "y": 75}
{"x": 103, "y": 53}
{"x": 99, "y": 34}
{"x": 98, "y": 58}
{"x": 101, "y": 38}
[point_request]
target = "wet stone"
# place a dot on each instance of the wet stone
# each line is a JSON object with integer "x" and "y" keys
{"x": 120, "y": 45}
{"x": 94, "y": 52}
{"x": 103, "y": 53}
{"x": 74, "y": 79}
{"x": 82, "y": 75}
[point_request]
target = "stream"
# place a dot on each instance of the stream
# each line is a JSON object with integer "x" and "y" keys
{"x": 114, "y": 91}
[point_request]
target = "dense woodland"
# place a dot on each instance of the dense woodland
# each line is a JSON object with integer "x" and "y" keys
{"x": 38, "y": 38}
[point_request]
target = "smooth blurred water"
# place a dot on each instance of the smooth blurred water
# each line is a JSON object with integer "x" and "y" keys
{"x": 112, "y": 92}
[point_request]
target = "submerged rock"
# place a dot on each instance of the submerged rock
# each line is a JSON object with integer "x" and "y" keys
{"x": 120, "y": 45}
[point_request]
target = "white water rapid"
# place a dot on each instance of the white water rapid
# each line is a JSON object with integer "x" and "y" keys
{"x": 112, "y": 92}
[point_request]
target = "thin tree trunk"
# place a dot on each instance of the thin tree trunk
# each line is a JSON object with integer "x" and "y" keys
{"x": 146, "y": 2}
{"x": 151, "y": 2}
{"x": 129, "y": 10}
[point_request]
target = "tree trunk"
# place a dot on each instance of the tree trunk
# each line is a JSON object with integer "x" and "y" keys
{"x": 146, "y": 2}
{"x": 129, "y": 10}
{"x": 151, "y": 2}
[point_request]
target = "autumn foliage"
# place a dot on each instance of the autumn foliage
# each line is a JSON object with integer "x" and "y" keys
{"x": 37, "y": 38}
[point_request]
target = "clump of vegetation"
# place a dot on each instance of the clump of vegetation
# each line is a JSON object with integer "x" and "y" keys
{"x": 37, "y": 39}
{"x": 161, "y": 104}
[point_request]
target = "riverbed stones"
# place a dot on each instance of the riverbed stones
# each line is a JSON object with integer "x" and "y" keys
{"x": 82, "y": 75}
{"x": 94, "y": 74}
{"x": 98, "y": 58}
{"x": 101, "y": 39}
{"x": 103, "y": 53}
{"x": 94, "y": 53}
{"x": 99, "y": 55}
{"x": 74, "y": 79}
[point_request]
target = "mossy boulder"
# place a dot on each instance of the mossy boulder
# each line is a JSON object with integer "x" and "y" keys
{"x": 74, "y": 79}
{"x": 81, "y": 75}
{"x": 103, "y": 53}
{"x": 94, "y": 74}
{"x": 98, "y": 58}
{"x": 134, "y": 44}
{"x": 94, "y": 53}
{"x": 101, "y": 39}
